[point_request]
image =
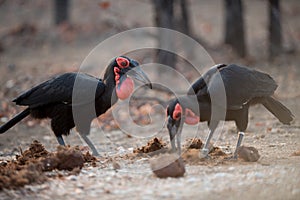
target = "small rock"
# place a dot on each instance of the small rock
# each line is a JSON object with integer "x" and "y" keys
{"x": 167, "y": 165}
{"x": 248, "y": 154}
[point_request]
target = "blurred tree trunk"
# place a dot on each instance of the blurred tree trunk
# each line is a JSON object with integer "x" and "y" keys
{"x": 185, "y": 17}
{"x": 61, "y": 11}
{"x": 275, "y": 39}
{"x": 234, "y": 26}
{"x": 164, "y": 18}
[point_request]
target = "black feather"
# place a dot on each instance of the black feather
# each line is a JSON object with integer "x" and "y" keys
{"x": 14, "y": 120}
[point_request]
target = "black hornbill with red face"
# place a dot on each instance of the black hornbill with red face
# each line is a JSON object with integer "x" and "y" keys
{"x": 54, "y": 98}
{"x": 241, "y": 87}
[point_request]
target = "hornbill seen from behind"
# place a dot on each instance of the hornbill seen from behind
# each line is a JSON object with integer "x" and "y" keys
{"x": 60, "y": 96}
{"x": 241, "y": 86}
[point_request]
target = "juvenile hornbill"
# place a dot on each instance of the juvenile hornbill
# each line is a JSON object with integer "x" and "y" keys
{"x": 241, "y": 87}
{"x": 61, "y": 96}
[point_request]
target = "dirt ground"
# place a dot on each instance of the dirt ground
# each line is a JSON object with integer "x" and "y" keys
{"x": 32, "y": 50}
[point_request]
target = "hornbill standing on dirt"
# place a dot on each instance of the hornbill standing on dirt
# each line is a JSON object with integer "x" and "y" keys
{"x": 240, "y": 87}
{"x": 66, "y": 97}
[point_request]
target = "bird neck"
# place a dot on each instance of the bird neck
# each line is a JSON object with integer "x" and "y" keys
{"x": 110, "y": 88}
{"x": 190, "y": 102}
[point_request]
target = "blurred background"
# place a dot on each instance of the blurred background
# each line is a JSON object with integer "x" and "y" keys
{"x": 39, "y": 39}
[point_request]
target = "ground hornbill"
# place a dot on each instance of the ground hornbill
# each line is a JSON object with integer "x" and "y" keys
{"x": 61, "y": 96}
{"x": 241, "y": 87}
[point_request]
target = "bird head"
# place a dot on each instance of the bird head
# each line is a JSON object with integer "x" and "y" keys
{"x": 124, "y": 68}
{"x": 179, "y": 111}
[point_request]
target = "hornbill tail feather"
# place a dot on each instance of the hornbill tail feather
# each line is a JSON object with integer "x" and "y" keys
{"x": 14, "y": 120}
{"x": 278, "y": 110}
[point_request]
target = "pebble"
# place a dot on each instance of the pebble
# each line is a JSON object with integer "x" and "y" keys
{"x": 10, "y": 83}
{"x": 131, "y": 149}
{"x": 121, "y": 150}
{"x": 3, "y": 119}
{"x": 222, "y": 175}
{"x": 192, "y": 179}
{"x": 259, "y": 175}
{"x": 72, "y": 178}
{"x": 231, "y": 168}
{"x": 47, "y": 137}
{"x": 142, "y": 159}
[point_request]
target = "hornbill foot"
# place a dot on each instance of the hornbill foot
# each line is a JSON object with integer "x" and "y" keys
{"x": 235, "y": 156}
{"x": 94, "y": 150}
{"x": 204, "y": 153}
{"x": 90, "y": 144}
{"x": 60, "y": 140}
{"x": 176, "y": 150}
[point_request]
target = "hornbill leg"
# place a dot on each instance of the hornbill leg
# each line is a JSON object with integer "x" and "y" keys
{"x": 205, "y": 150}
{"x": 90, "y": 144}
{"x": 60, "y": 140}
{"x": 238, "y": 144}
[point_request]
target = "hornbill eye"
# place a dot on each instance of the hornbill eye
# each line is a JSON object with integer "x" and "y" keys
{"x": 122, "y": 62}
{"x": 177, "y": 115}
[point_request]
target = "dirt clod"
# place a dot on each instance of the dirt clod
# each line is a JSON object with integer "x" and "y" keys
{"x": 217, "y": 151}
{"x": 167, "y": 165}
{"x": 191, "y": 156}
{"x": 193, "y": 147}
{"x": 29, "y": 167}
{"x": 248, "y": 154}
{"x": 195, "y": 143}
{"x": 69, "y": 158}
{"x": 153, "y": 145}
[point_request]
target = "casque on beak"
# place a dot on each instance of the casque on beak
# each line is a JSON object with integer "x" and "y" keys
{"x": 138, "y": 74}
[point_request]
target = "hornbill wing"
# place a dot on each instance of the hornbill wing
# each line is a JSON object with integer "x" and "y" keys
{"x": 241, "y": 84}
{"x": 200, "y": 85}
{"x": 60, "y": 89}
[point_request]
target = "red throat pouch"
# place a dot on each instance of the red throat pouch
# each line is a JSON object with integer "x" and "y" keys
{"x": 190, "y": 117}
{"x": 125, "y": 89}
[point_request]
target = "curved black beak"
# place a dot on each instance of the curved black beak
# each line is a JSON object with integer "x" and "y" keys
{"x": 138, "y": 74}
{"x": 172, "y": 132}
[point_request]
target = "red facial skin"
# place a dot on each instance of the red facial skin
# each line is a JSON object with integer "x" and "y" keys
{"x": 122, "y": 62}
{"x": 177, "y": 111}
{"x": 126, "y": 88}
{"x": 190, "y": 117}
